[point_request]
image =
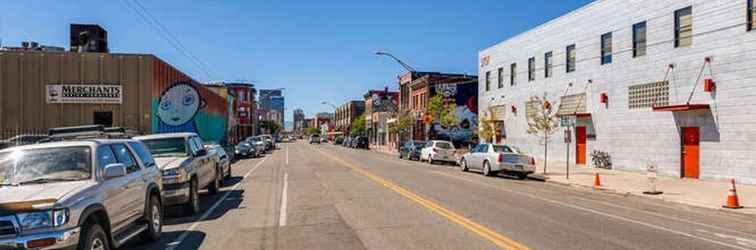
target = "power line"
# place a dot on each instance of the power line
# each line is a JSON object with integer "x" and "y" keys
{"x": 148, "y": 18}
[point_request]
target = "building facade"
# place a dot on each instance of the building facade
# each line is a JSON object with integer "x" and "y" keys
{"x": 346, "y": 113}
{"x": 244, "y": 107}
{"x": 299, "y": 121}
{"x": 668, "y": 83}
{"x": 380, "y": 106}
{"x": 459, "y": 90}
{"x": 41, "y": 90}
{"x": 272, "y": 99}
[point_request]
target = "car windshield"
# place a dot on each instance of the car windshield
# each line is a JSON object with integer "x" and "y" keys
{"x": 167, "y": 147}
{"x": 444, "y": 145}
{"x": 45, "y": 165}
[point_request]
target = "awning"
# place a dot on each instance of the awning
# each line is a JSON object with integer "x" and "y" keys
{"x": 572, "y": 105}
{"x": 680, "y": 108}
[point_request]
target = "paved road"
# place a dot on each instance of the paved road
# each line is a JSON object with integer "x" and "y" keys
{"x": 328, "y": 197}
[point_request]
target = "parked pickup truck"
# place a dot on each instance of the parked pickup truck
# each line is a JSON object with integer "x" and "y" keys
{"x": 186, "y": 167}
{"x": 492, "y": 159}
{"x": 85, "y": 194}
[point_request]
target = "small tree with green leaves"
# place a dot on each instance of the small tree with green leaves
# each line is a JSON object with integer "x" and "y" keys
{"x": 358, "y": 126}
{"x": 486, "y": 129}
{"x": 441, "y": 112}
{"x": 403, "y": 125}
{"x": 542, "y": 122}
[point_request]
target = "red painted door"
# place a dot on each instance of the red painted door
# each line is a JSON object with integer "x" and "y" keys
{"x": 580, "y": 145}
{"x": 690, "y": 152}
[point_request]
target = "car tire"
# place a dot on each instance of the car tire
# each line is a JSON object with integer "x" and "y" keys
{"x": 521, "y": 176}
{"x": 487, "y": 169}
{"x": 94, "y": 238}
{"x": 463, "y": 165}
{"x": 214, "y": 187}
{"x": 191, "y": 207}
{"x": 153, "y": 216}
{"x": 228, "y": 173}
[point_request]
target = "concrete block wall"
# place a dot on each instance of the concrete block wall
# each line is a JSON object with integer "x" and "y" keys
{"x": 636, "y": 137}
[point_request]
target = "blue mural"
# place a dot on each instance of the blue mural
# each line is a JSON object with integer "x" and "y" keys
{"x": 465, "y": 97}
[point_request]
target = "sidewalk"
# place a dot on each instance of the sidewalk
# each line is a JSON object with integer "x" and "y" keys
{"x": 708, "y": 194}
{"x": 384, "y": 149}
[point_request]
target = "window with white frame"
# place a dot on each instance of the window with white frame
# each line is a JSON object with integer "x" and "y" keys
{"x": 684, "y": 27}
{"x": 606, "y": 48}
{"x": 570, "y": 58}
{"x": 639, "y": 39}
{"x": 531, "y": 69}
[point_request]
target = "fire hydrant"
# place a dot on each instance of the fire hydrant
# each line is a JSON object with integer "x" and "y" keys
{"x": 651, "y": 174}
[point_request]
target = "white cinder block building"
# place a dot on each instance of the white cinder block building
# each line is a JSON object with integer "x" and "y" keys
{"x": 635, "y": 74}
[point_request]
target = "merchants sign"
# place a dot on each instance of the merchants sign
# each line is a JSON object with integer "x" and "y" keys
{"x": 75, "y": 93}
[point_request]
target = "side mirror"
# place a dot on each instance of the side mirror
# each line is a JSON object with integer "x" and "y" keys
{"x": 201, "y": 152}
{"x": 114, "y": 170}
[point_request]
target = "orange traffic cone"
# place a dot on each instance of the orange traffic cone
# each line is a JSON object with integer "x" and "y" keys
{"x": 597, "y": 180}
{"x": 732, "y": 198}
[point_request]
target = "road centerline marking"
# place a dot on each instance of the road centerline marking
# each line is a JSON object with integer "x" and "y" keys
{"x": 284, "y": 201}
{"x": 497, "y": 239}
{"x": 182, "y": 237}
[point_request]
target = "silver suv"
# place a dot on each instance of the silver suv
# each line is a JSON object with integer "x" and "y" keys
{"x": 186, "y": 166}
{"x": 87, "y": 194}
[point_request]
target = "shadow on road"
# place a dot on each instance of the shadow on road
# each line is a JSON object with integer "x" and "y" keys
{"x": 193, "y": 240}
{"x": 232, "y": 201}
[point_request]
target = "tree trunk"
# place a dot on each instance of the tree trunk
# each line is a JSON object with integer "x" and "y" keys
{"x": 545, "y": 152}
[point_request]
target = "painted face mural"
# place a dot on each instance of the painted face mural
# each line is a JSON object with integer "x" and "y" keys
{"x": 178, "y": 105}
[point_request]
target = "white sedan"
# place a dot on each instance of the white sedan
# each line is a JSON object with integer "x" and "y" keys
{"x": 438, "y": 151}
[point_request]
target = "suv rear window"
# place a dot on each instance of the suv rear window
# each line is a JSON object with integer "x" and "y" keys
{"x": 444, "y": 145}
{"x": 166, "y": 146}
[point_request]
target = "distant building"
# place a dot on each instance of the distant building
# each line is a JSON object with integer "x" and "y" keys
{"x": 299, "y": 121}
{"x": 272, "y": 99}
{"x": 458, "y": 89}
{"x": 88, "y": 38}
{"x": 380, "y": 106}
{"x": 243, "y": 106}
{"x": 346, "y": 113}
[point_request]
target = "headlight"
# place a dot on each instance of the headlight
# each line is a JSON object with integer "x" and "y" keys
{"x": 44, "y": 219}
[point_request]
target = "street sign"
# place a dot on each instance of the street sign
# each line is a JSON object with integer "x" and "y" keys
{"x": 567, "y": 121}
{"x": 567, "y": 136}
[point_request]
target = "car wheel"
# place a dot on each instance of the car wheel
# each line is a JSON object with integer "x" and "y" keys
{"x": 487, "y": 169}
{"x": 521, "y": 176}
{"x": 228, "y": 173}
{"x": 400, "y": 155}
{"x": 154, "y": 220}
{"x": 94, "y": 238}
{"x": 215, "y": 186}
{"x": 463, "y": 165}
{"x": 192, "y": 206}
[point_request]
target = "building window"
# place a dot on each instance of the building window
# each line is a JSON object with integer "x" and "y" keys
{"x": 488, "y": 81}
{"x": 570, "y": 58}
{"x": 639, "y": 39}
{"x": 501, "y": 77}
{"x": 606, "y": 48}
{"x": 531, "y": 69}
{"x": 684, "y": 27}
{"x": 548, "y": 62}
{"x": 513, "y": 74}
{"x": 751, "y": 15}
{"x": 648, "y": 95}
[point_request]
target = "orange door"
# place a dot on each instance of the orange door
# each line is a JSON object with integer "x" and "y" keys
{"x": 690, "y": 152}
{"x": 580, "y": 144}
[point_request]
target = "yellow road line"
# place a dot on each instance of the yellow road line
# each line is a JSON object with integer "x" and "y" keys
{"x": 496, "y": 238}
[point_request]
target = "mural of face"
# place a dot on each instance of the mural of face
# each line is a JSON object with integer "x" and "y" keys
{"x": 179, "y": 104}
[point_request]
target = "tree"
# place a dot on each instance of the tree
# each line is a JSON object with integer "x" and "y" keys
{"x": 444, "y": 113}
{"x": 358, "y": 126}
{"x": 486, "y": 130}
{"x": 542, "y": 122}
{"x": 271, "y": 126}
{"x": 403, "y": 125}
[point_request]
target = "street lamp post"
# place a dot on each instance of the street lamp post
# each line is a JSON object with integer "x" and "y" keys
{"x": 400, "y": 62}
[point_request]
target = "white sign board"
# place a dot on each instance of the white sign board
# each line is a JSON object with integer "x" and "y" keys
{"x": 80, "y": 93}
{"x": 567, "y": 121}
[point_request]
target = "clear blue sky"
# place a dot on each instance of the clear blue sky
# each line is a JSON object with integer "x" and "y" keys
{"x": 317, "y": 50}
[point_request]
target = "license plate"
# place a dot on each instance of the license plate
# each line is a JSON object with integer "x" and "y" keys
{"x": 519, "y": 167}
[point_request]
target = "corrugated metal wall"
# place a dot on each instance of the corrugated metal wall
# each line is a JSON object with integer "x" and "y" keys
{"x": 24, "y": 76}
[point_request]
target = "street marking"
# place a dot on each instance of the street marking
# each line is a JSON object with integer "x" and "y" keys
{"x": 287, "y": 155}
{"x": 284, "y": 200}
{"x": 496, "y": 238}
{"x": 182, "y": 237}
{"x": 617, "y": 217}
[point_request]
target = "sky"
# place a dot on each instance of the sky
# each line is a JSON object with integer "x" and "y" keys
{"x": 316, "y": 50}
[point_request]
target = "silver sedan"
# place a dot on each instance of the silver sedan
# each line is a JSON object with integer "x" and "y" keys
{"x": 492, "y": 159}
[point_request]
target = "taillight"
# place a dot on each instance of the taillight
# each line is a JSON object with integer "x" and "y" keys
{"x": 501, "y": 158}
{"x": 532, "y": 161}
{"x": 434, "y": 150}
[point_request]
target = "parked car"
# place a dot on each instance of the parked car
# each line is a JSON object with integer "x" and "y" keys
{"x": 79, "y": 194}
{"x": 315, "y": 139}
{"x": 223, "y": 159}
{"x": 258, "y": 143}
{"x": 346, "y": 141}
{"x": 338, "y": 141}
{"x": 438, "y": 151}
{"x": 323, "y": 140}
{"x": 410, "y": 150}
{"x": 270, "y": 144}
{"x": 245, "y": 149}
{"x": 492, "y": 159}
{"x": 361, "y": 142}
{"x": 186, "y": 166}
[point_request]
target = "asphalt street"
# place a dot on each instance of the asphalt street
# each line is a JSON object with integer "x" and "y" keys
{"x": 305, "y": 196}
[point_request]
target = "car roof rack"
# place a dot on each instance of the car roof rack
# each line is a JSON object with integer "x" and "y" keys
{"x": 89, "y": 132}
